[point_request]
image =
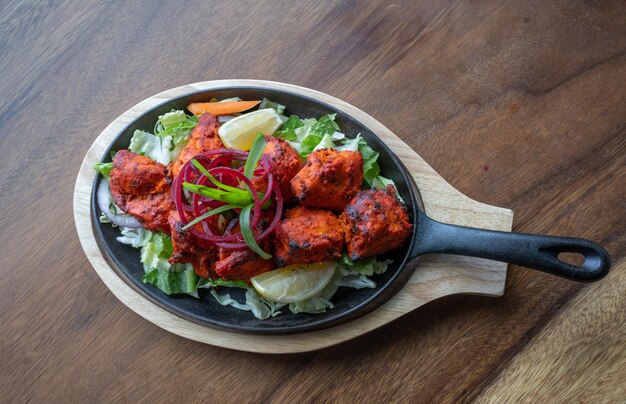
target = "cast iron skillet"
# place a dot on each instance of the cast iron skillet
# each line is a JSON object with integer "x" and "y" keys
{"x": 429, "y": 236}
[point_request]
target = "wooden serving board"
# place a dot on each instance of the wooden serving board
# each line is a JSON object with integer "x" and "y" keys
{"x": 438, "y": 275}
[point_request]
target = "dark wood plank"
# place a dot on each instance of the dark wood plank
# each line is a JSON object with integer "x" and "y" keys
{"x": 518, "y": 104}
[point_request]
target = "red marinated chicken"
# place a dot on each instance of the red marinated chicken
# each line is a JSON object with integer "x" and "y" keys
{"x": 285, "y": 164}
{"x": 329, "y": 179}
{"x": 308, "y": 236}
{"x": 244, "y": 264}
{"x": 189, "y": 248}
{"x": 202, "y": 138}
{"x": 140, "y": 187}
{"x": 375, "y": 222}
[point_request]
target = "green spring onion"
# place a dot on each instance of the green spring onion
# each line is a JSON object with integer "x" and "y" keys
{"x": 246, "y": 232}
{"x": 210, "y": 213}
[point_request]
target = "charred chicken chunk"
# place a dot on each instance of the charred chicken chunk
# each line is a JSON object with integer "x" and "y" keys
{"x": 285, "y": 164}
{"x": 308, "y": 236}
{"x": 202, "y": 138}
{"x": 375, "y": 222}
{"x": 189, "y": 248}
{"x": 244, "y": 264}
{"x": 329, "y": 179}
{"x": 140, "y": 187}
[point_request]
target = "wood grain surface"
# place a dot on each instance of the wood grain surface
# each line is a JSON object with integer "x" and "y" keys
{"x": 516, "y": 104}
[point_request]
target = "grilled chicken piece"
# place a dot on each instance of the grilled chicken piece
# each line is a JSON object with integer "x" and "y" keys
{"x": 308, "y": 236}
{"x": 188, "y": 248}
{"x": 375, "y": 222}
{"x": 202, "y": 138}
{"x": 244, "y": 264}
{"x": 329, "y": 179}
{"x": 285, "y": 164}
{"x": 141, "y": 187}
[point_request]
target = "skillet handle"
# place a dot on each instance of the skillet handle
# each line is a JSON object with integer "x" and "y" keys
{"x": 528, "y": 250}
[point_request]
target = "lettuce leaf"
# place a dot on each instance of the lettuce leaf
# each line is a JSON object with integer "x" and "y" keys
{"x": 172, "y": 132}
{"x": 174, "y": 282}
{"x": 320, "y": 302}
{"x": 261, "y": 308}
{"x": 155, "y": 147}
{"x": 156, "y": 252}
{"x": 313, "y": 132}
{"x": 287, "y": 129}
{"x": 226, "y": 300}
{"x": 104, "y": 169}
{"x": 367, "y": 267}
{"x": 134, "y": 237}
{"x": 265, "y": 103}
{"x": 176, "y": 124}
{"x": 325, "y": 143}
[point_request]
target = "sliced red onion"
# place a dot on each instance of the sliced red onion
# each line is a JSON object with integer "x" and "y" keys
{"x": 103, "y": 195}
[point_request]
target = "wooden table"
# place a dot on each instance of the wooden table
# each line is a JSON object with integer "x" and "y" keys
{"x": 517, "y": 104}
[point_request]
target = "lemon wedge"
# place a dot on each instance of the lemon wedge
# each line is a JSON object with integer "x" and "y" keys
{"x": 239, "y": 132}
{"x": 294, "y": 283}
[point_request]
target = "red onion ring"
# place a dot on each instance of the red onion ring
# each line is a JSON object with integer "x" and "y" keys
{"x": 217, "y": 163}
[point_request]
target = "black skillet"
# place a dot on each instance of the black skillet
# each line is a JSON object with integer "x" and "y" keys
{"x": 429, "y": 236}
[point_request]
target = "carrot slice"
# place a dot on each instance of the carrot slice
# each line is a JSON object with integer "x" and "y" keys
{"x": 220, "y": 108}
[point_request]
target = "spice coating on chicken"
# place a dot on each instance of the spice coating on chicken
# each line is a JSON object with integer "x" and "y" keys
{"x": 329, "y": 179}
{"x": 202, "y": 138}
{"x": 244, "y": 264}
{"x": 189, "y": 248}
{"x": 308, "y": 236}
{"x": 285, "y": 163}
{"x": 375, "y": 222}
{"x": 140, "y": 187}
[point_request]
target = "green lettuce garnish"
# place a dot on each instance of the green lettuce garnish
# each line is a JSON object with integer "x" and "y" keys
{"x": 155, "y": 147}
{"x": 156, "y": 249}
{"x": 176, "y": 124}
{"x": 172, "y": 282}
{"x": 265, "y": 103}
{"x": 287, "y": 130}
{"x": 104, "y": 169}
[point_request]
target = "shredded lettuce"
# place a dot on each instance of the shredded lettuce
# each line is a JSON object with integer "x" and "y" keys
{"x": 171, "y": 134}
{"x": 274, "y": 105}
{"x": 325, "y": 143}
{"x": 172, "y": 282}
{"x": 176, "y": 124}
{"x": 156, "y": 249}
{"x": 134, "y": 237}
{"x": 104, "y": 169}
{"x": 313, "y": 132}
{"x": 156, "y": 252}
{"x": 356, "y": 274}
{"x": 287, "y": 130}
{"x": 320, "y": 302}
{"x": 155, "y": 147}
{"x": 226, "y": 300}
{"x": 261, "y": 308}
